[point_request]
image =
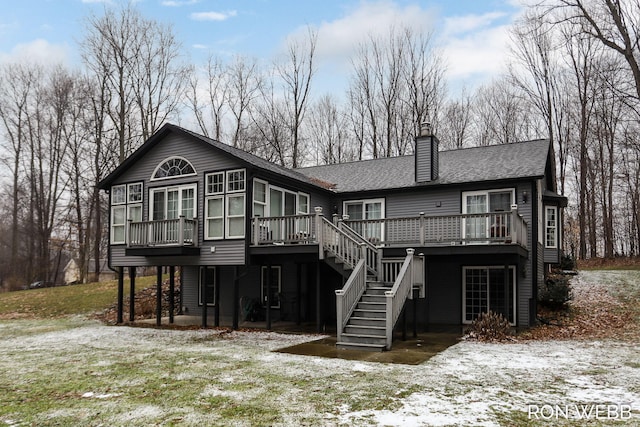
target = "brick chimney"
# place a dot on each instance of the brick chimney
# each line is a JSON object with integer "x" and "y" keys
{"x": 426, "y": 157}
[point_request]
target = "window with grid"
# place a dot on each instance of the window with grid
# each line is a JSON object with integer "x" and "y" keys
{"x": 551, "y": 227}
{"x": 488, "y": 289}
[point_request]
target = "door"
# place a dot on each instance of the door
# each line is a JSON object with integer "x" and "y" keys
{"x": 493, "y": 220}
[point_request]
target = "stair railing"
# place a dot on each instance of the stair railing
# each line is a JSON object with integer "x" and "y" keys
{"x": 339, "y": 244}
{"x": 372, "y": 254}
{"x": 347, "y": 298}
{"x": 402, "y": 289}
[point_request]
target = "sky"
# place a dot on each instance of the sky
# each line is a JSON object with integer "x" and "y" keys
{"x": 473, "y": 34}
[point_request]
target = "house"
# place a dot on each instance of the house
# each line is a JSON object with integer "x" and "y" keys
{"x": 440, "y": 235}
{"x": 72, "y": 271}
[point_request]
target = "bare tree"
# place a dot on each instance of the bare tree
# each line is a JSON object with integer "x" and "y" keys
{"x": 328, "y": 128}
{"x": 243, "y": 87}
{"x": 296, "y": 74}
{"x": 209, "y": 115}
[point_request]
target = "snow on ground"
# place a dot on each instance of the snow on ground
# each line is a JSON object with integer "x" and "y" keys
{"x": 470, "y": 383}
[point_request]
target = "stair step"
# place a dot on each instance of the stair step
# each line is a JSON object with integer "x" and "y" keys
{"x": 368, "y": 313}
{"x": 365, "y": 330}
{"x": 364, "y": 339}
{"x": 374, "y": 298}
{"x": 368, "y": 321}
{"x": 360, "y": 346}
{"x": 364, "y": 305}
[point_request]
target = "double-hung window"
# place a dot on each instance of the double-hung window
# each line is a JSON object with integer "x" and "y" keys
{"x": 225, "y": 204}
{"x": 551, "y": 227}
{"x": 126, "y": 204}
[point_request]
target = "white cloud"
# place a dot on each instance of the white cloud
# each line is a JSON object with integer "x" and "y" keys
{"x": 178, "y": 3}
{"x": 213, "y": 16}
{"x": 200, "y": 46}
{"x": 39, "y": 51}
{"x": 340, "y": 38}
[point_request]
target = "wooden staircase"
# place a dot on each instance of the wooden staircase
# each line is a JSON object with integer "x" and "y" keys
{"x": 366, "y": 328}
{"x": 371, "y": 300}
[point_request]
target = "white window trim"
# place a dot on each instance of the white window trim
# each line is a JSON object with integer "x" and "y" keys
{"x": 123, "y": 225}
{"x": 547, "y": 227}
{"x": 207, "y": 217}
{"x": 134, "y": 205}
{"x": 206, "y": 183}
{"x": 262, "y": 285}
{"x": 129, "y": 200}
{"x": 298, "y": 209}
{"x": 153, "y": 174}
{"x": 200, "y": 276}
{"x": 363, "y": 201}
{"x": 512, "y": 269}
{"x": 465, "y": 194}
{"x": 153, "y": 190}
{"x": 228, "y": 181}
{"x": 113, "y": 188}
{"x": 229, "y": 217}
{"x": 265, "y": 204}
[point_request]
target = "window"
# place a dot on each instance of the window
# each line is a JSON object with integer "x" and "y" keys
{"x": 134, "y": 192}
{"x": 488, "y": 288}
{"x": 173, "y": 167}
{"x": 235, "y": 181}
{"x": 235, "y": 216}
{"x": 215, "y": 183}
{"x": 271, "y": 277}
{"x": 118, "y": 194}
{"x": 173, "y": 202}
{"x": 126, "y": 204}
{"x": 551, "y": 227}
{"x": 208, "y": 280}
{"x": 259, "y": 198}
{"x": 118, "y": 222}
{"x": 369, "y": 211}
{"x": 214, "y": 218}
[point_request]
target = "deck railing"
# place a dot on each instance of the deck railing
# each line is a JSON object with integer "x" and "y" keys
{"x": 372, "y": 254}
{"x": 486, "y": 228}
{"x": 347, "y": 298}
{"x": 410, "y": 276}
{"x": 283, "y": 229}
{"x": 168, "y": 232}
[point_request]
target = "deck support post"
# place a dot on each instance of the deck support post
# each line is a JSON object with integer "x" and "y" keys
{"x": 120, "y": 293}
{"x": 203, "y": 296}
{"x": 216, "y": 298}
{"x": 132, "y": 293}
{"x": 159, "y": 296}
{"x": 299, "y": 267}
{"x": 318, "y": 305}
{"x": 319, "y": 234}
{"x": 172, "y": 292}
{"x": 267, "y": 284}
{"x": 236, "y": 296}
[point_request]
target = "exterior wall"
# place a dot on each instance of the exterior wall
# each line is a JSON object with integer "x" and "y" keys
{"x": 204, "y": 160}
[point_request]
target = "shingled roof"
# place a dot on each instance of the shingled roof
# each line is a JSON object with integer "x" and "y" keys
{"x": 490, "y": 163}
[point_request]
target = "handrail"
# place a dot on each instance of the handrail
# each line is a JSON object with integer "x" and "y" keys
{"x": 372, "y": 252}
{"x": 283, "y": 229}
{"x": 347, "y": 298}
{"x": 168, "y": 232}
{"x": 401, "y": 290}
{"x": 344, "y": 247}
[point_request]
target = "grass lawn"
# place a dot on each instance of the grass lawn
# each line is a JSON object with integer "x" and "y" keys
{"x": 65, "y": 300}
{"x": 58, "y": 368}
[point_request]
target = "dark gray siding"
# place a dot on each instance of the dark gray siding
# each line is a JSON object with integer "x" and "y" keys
{"x": 431, "y": 202}
{"x": 551, "y": 255}
{"x": 424, "y": 159}
{"x": 204, "y": 159}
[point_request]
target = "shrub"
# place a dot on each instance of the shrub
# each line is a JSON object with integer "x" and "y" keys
{"x": 489, "y": 326}
{"x": 555, "y": 292}
{"x": 567, "y": 263}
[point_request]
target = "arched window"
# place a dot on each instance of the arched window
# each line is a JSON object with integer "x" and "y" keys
{"x": 174, "y": 166}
